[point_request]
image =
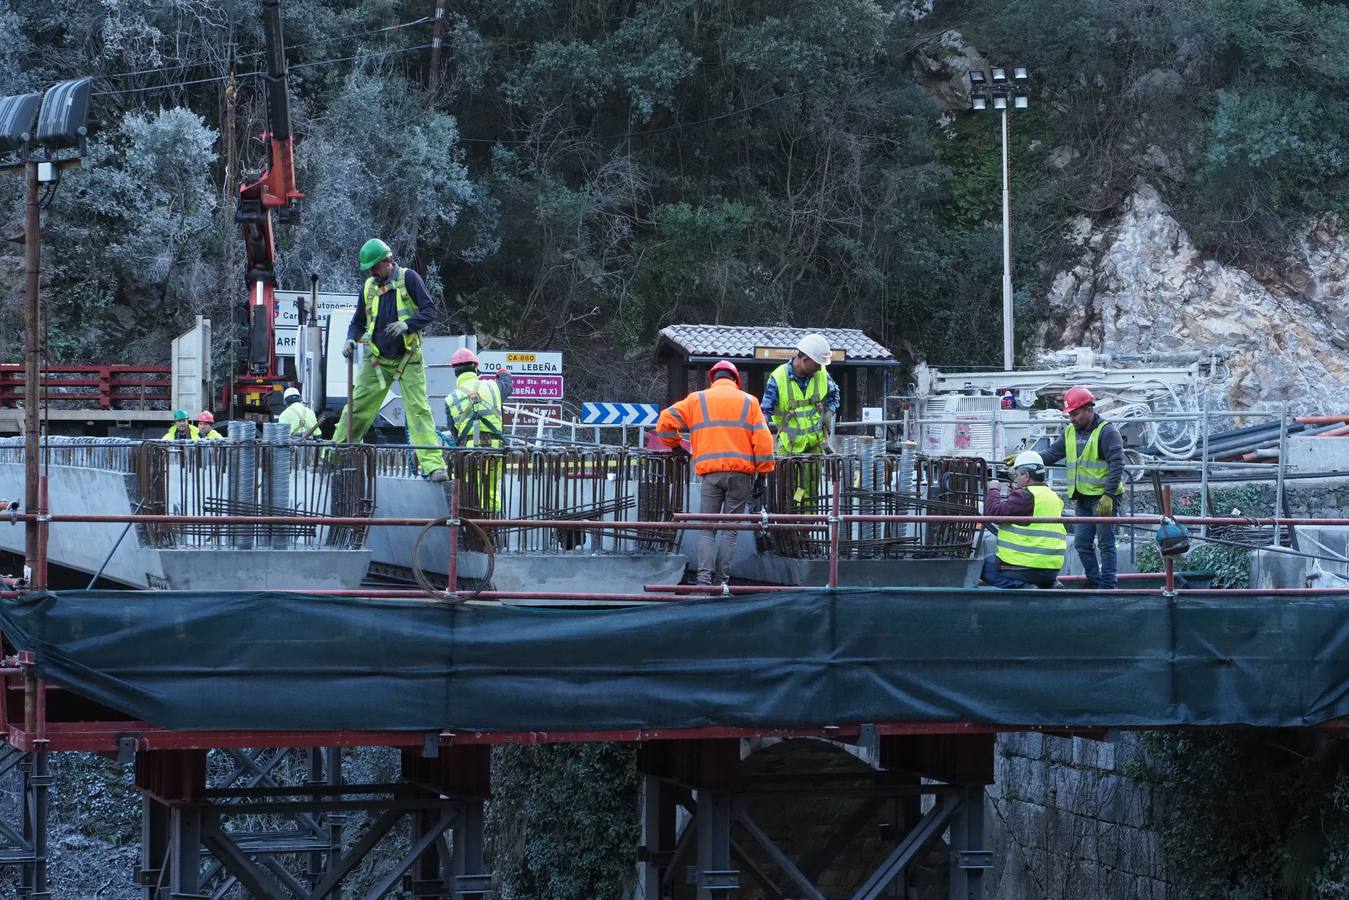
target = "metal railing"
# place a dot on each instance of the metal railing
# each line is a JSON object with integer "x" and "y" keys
{"x": 113, "y": 454}
{"x": 106, "y": 386}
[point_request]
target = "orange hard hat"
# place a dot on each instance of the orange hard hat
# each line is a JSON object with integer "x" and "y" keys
{"x": 725, "y": 366}
{"x": 1076, "y": 398}
{"x": 464, "y": 357}
{"x": 205, "y": 416}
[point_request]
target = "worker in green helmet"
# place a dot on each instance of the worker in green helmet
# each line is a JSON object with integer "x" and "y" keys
{"x": 395, "y": 308}
{"x": 182, "y": 428}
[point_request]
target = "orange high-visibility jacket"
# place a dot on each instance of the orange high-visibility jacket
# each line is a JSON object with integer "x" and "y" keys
{"x": 726, "y": 428}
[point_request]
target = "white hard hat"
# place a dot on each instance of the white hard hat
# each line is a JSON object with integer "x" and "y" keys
{"x": 290, "y": 392}
{"x": 816, "y": 346}
{"x": 1028, "y": 459}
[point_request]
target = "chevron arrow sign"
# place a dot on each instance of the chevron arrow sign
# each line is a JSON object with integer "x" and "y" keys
{"x": 641, "y": 415}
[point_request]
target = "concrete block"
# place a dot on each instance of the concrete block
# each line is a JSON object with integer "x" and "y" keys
{"x": 1313, "y": 454}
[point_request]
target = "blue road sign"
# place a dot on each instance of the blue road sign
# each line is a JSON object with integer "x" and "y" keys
{"x": 641, "y": 415}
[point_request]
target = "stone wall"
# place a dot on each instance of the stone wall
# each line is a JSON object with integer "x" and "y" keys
{"x": 1066, "y": 820}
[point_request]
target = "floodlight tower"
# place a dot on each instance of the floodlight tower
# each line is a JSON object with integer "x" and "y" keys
{"x": 1002, "y": 93}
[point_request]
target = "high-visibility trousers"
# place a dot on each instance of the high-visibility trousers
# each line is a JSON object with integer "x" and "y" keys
{"x": 372, "y": 386}
{"x": 488, "y": 487}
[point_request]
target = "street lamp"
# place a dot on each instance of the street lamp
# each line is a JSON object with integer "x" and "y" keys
{"x": 33, "y": 129}
{"x": 999, "y": 92}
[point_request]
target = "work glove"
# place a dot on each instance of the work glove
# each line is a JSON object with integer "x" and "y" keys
{"x": 1009, "y": 459}
{"x": 348, "y": 349}
{"x": 760, "y": 488}
{"x": 1105, "y": 506}
{"x": 396, "y": 328}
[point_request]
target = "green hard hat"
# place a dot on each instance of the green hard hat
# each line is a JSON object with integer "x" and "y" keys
{"x": 180, "y": 415}
{"x": 374, "y": 251}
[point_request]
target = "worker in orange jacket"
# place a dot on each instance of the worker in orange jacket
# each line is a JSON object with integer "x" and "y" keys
{"x": 732, "y": 454}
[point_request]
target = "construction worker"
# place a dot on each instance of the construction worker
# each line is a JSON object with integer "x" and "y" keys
{"x": 206, "y": 425}
{"x": 473, "y": 415}
{"x": 732, "y": 455}
{"x": 396, "y": 308}
{"x": 182, "y": 429}
{"x": 1093, "y": 453}
{"x": 1029, "y": 554}
{"x": 299, "y": 417}
{"x": 800, "y": 399}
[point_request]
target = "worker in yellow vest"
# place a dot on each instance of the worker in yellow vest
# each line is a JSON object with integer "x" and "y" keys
{"x": 297, "y": 416}
{"x": 1092, "y": 451}
{"x": 206, "y": 426}
{"x": 395, "y": 308}
{"x": 1030, "y": 554}
{"x": 473, "y": 409}
{"x": 800, "y": 400}
{"x": 182, "y": 428}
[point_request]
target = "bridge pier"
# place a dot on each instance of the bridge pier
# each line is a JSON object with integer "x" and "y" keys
{"x": 714, "y": 822}
{"x": 199, "y": 839}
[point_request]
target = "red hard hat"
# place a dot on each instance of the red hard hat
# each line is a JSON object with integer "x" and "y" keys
{"x": 205, "y": 416}
{"x": 1076, "y": 398}
{"x": 464, "y": 357}
{"x": 724, "y": 366}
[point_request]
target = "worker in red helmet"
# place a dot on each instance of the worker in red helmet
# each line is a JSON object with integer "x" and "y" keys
{"x": 473, "y": 411}
{"x": 206, "y": 425}
{"x": 396, "y": 307}
{"x": 1093, "y": 453}
{"x": 732, "y": 455}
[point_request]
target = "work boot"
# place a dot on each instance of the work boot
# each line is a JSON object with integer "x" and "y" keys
{"x": 439, "y": 476}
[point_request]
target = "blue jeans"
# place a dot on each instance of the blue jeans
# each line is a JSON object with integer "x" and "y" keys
{"x": 1086, "y": 538}
{"x": 1010, "y": 578}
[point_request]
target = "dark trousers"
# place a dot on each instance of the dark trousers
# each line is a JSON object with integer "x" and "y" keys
{"x": 1086, "y": 538}
{"x": 1000, "y": 576}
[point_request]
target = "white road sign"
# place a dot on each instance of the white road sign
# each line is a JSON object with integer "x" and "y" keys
{"x": 288, "y": 317}
{"x": 520, "y": 362}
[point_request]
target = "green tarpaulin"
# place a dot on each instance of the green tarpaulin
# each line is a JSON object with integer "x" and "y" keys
{"x": 274, "y": 661}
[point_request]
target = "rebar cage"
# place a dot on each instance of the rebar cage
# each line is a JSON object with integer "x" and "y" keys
{"x": 613, "y": 484}
{"x": 873, "y": 482}
{"x": 243, "y": 475}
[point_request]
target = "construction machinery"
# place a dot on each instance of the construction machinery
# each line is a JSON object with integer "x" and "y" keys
{"x": 266, "y": 200}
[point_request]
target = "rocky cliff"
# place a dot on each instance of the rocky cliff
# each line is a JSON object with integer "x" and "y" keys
{"x": 1142, "y": 286}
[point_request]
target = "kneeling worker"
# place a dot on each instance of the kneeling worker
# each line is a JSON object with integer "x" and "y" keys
{"x": 1032, "y": 554}
{"x": 732, "y": 454}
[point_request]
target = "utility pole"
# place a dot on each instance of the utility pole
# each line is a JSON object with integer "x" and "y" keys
{"x": 32, "y": 346}
{"x": 437, "y": 40}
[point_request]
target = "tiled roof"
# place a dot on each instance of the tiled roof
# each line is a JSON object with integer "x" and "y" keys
{"x": 739, "y": 341}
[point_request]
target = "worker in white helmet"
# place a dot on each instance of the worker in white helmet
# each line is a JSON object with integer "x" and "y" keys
{"x": 301, "y": 419}
{"x": 800, "y": 400}
{"x": 1030, "y": 554}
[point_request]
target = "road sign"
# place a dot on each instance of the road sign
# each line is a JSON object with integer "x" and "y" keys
{"x": 288, "y": 317}
{"x": 533, "y": 387}
{"x": 641, "y": 415}
{"x": 521, "y": 362}
{"x": 518, "y": 414}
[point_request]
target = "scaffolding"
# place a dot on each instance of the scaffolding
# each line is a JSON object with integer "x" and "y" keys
{"x": 194, "y": 846}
